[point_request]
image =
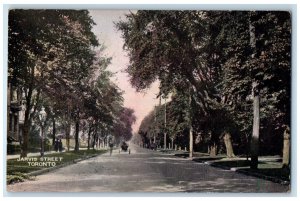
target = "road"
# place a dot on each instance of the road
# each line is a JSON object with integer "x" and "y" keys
{"x": 144, "y": 171}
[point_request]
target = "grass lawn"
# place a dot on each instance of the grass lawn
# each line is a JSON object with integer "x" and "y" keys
{"x": 17, "y": 170}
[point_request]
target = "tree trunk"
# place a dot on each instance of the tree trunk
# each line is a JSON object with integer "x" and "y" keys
{"x": 76, "y": 136}
{"x": 286, "y": 149}
{"x": 191, "y": 142}
{"x": 54, "y": 132}
{"x": 24, "y": 145}
{"x": 26, "y": 127}
{"x": 228, "y": 145}
{"x": 255, "y": 134}
{"x": 255, "y": 94}
{"x": 247, "y": 147}
{"x": 96, "y": 141}
{"x": 94, "y": 138}
{"x": 68, "y": 130}
{"x": 89, "y": 137}
{"x": 213, "y": 150}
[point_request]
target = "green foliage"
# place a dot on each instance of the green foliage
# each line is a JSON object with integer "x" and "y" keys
{"x": 54, "y": 62}
{"x": 212, "y": 57}
{"x": 123, "y": 128}
{"x": 177, "y": 113}
{"x": 267, "y": 63}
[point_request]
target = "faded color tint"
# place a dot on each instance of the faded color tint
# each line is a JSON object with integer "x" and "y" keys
{"x": 107, "y": 34}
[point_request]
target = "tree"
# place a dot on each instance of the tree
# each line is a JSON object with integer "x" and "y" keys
{"x": 123, "y": 128}
{"x": 258, "y": 56}
{"x": 102, "y": 101}
{"x": 154, "y": 39}
{"x": 218, "y": 61}
{"x": 43, "y": 45}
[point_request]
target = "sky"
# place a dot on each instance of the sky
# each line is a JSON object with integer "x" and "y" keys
{"x": 142, "y": 103}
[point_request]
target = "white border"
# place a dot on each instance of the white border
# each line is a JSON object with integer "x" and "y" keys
{"x": 155, "y": 4}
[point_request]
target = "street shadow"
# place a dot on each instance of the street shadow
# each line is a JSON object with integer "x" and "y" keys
{"x": 233, "y": 163}
{"x": 277, "y": 173}
{"x": 183, "y": 155}
{"x": 204, "y": 159}
{"x": 186, "y": 155}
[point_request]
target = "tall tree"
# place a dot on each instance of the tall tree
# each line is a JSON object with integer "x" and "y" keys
{"x": 154, "y": 39}
{"x": 43, "y": 45}
{"x": 258, "y": 56}
{"x": 218, "y": 61}
{"x": 123, "y": 128}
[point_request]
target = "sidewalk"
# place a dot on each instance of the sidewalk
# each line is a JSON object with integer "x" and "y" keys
{"x": 269, "y": 167}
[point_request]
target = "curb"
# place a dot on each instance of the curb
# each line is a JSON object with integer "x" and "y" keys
{"x": 42, "y": 171}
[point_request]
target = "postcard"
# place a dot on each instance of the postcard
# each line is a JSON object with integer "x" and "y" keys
{"x": 149, "y": 101}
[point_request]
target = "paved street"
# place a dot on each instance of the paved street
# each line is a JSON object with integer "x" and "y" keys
{"x": 144, "y": 171}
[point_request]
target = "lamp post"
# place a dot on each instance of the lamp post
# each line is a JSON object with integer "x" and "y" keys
{"x": 42, "y": 118}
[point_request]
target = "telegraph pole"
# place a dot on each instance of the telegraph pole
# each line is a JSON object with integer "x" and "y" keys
{"x": 190, "y": 124}
{"x": 165, "y": 127}
{"x": 155, "y": 124}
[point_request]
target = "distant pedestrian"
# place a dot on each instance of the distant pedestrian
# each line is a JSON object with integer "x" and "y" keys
{"x": 60, "y": 147}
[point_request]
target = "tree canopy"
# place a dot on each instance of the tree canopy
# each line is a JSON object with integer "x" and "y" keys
{"x": 214, "y": 57}
{"x": 56, "y": 61}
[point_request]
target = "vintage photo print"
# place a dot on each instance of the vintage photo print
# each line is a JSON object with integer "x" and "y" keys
{"x": 152, "y": 101}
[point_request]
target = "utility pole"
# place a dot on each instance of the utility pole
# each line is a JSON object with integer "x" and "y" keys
{"x": 190, "y": 124}
{"x": 155, "y": 124}
{"x": 165, "y": 127}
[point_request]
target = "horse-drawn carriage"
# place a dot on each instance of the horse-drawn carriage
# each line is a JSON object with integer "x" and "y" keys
{"x": 124, "y": 147}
